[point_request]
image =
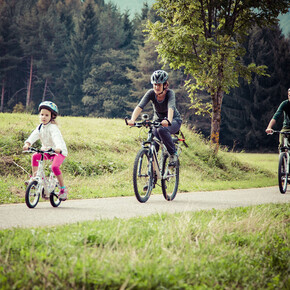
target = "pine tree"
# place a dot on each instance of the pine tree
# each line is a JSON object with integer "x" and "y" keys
{"x": 249, "y": 108}
{"x": 10, "y": 53}
{"x": 79, "y": 56}
{"x": 107, "y": 87}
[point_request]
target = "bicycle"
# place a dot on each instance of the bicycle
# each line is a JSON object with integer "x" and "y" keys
{"x": 283, "y": 167}
{"x": 148, "y": 169}
{"x": 42, "y": 184}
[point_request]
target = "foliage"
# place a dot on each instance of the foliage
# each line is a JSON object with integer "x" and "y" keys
{"x": 205, "y": 39}
{"x": 195, "y": 250}
{"x": 91, "y": 58}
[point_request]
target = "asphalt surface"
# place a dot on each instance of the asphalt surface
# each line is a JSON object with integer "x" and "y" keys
{"x": 73, "y": 211}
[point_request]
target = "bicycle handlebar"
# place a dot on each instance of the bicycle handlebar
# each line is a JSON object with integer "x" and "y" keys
{"x": 145, "y": 123}
{"x": 280, "y": 132}
{"x": 31, "y": 150}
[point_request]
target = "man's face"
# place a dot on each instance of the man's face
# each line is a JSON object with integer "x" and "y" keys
{"x": 289, "y": 95}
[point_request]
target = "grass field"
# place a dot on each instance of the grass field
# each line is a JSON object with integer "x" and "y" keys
{"x": 239, "y": 248}
{"x": 102, "y": 153}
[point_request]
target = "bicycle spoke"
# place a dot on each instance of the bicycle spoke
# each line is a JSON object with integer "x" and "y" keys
{"x": 170, "y": 179}
{"x": 142, "y": 176}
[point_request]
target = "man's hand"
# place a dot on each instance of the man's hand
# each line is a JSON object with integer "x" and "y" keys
{"x": 269, "y": 131}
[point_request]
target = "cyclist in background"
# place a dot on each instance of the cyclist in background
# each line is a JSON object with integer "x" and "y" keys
{"x": 164, "y": 107}
{"x": 50, "y": 136}
{"x": 285, "y": 109}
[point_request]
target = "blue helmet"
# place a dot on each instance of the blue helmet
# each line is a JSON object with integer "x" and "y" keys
{"x": 49, "y": 106}
{"x": 159, "y": 77}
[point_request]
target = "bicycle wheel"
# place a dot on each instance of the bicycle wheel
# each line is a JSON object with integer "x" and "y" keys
{"x": 283, "y": 172}
{"x": 32, "y": 194}
{"x": 170, "y": 179}
{"x": 53, "y": 198}
{"x": 142, "y": 176}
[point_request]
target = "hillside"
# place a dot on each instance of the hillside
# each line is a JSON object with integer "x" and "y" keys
{"x": 101, "y": 156}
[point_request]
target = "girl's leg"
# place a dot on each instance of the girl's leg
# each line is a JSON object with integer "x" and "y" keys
{"x": 34, "y": 162}
{"x": 55, "y": 167}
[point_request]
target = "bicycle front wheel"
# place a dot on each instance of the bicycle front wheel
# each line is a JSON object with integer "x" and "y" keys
{"x": 170, "y": 179}
{"x": 32, "y": 194}
{"x": 283, "y": 172}
{"x": 53, "y": 198}
{"x": 142, "y": 176}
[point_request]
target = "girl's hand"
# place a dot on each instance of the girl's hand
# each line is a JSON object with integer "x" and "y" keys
{"x": 26, "y": 146}
{"x": 57, "y": 151}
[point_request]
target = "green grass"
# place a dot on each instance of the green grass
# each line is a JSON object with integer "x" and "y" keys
{"x": 101, "y": 156}
{"x": 241, "y": 248}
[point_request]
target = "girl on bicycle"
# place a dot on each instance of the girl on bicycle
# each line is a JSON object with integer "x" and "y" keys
{"x": 50, "y": 136}
{"x": 164, "y": 107}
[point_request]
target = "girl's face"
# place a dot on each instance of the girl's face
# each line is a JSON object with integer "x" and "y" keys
{"x": 45, "y": 116}
{"x": 158, "y": 88}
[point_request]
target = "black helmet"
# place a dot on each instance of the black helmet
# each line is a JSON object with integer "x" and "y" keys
{"x": 159, "y": 77}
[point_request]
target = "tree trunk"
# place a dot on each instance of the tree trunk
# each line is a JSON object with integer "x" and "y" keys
{"x": 44, "y": 91}
{"x": 29, "y": 83}
{"x": 217, "y": 99}
{"x": 2, "y": 96}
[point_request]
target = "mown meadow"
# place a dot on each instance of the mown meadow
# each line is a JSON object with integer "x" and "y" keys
{"x": 238, "y": 248}
{"x": 101, "y": 156}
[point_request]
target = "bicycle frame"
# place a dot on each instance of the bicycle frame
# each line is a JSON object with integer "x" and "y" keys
{"x": 283, "y": 167}
{"x": 153, "y": 152}
{"x": 149, "y": 166}
{"x": 47, "y": 183}
{"x": 285, "y": 148}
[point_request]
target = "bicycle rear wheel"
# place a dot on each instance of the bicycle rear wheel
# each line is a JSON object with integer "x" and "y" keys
{"x": 170, "y": 179}
{"x": 142, "y": 176}
{"x": 53, "y": 198}
{"x": 283, "y": 172}
{"x": 32, "y": 194}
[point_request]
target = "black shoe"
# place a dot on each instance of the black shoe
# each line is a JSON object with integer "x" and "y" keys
{"x": 173, "y": 159}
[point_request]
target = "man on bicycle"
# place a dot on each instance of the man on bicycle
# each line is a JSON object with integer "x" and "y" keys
{"x": 164, "y": 107}
{"x": 285, "y": 109}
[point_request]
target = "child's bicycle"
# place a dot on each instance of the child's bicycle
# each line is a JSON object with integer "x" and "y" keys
{"x": 148, "y": 168}
{"x": 283, "y": 167}
{"x": 42, "y": 184}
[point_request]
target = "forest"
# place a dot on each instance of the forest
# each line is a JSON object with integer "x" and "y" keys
{"x": 94, "y": 60}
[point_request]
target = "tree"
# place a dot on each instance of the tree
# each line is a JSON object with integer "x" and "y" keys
{"x": 248, "y": 109}
{"x": 205, "y": 38}
{"x": 107, "y": 87}
{"x": 79, "y": 56}
{"x": 10, "y": 52}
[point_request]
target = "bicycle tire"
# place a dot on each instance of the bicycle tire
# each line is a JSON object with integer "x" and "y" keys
{"x": 32, "y": 194}
{"x": 283, "y": 172}
{"x": 142, "y": 176}
{"x": 170, "y": 179}
{"x": 53, "y": 198}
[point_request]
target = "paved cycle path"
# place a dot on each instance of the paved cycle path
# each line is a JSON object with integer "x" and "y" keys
{"x": 72, "y": 211}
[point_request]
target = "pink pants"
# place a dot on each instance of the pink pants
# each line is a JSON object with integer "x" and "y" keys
{"x": 57, "y": 160}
